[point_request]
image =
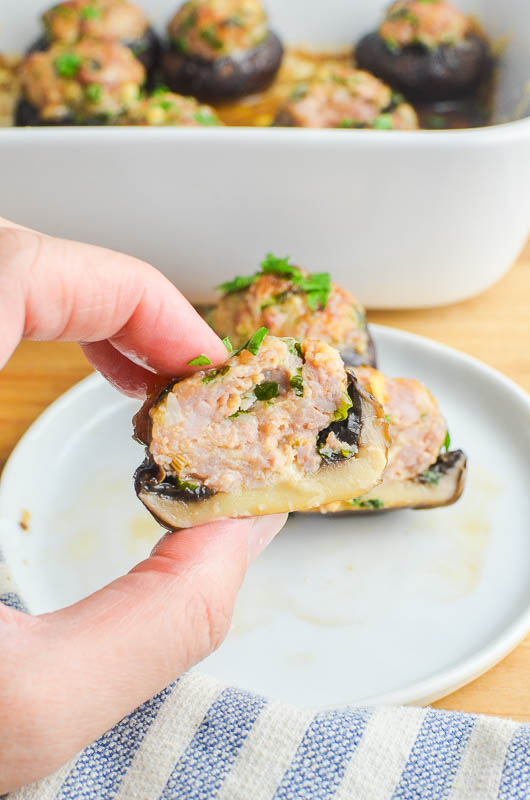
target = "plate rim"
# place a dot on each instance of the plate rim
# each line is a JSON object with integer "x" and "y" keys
{"x": 421, "y": 692}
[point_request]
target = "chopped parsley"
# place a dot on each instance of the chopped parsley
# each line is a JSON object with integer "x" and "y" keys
{"x": 211, "y": 38}
{"x": 397, "y": 98}
{"x": 266, "y": 391}
{"x": 295, "y": 348}
{"x": 165, "y": 105}
{"x": 199, "y": 361}
{"x": 358, "y": 502}
{"x": 342, "y": 411}
{"x": 254, "y": 343}
{"x": 435, "y": 121}
{"x": 237, "y": 284}
{"x": 238, "y": 413}
{"x": 228, "y": 344}
{"x": 299, "y": 92}
{"x": 389, "y": 418}
{"x": 383, "y": 122}
{"x": 181, "y": 44}
{"x": 348, "y": 122}
{"x": 404, "y": 14}
{"x": 159, "y": 90}
{"x": 93, "y": 92}
{"x": 317, "y": 286}
{"x": 205, "y": 117}
{"x": 67, "y": 65}
{"x": 430, "y": 476}
{"x": 89, "y": 12}
{"x": 296, "y": 383}
{"x": 447, "y": 442}
{"x": 215, "y": 373}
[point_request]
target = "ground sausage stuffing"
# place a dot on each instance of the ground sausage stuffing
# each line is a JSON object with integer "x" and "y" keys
{"x": 278, "y": 304}
{"x": 214, "y": 29}
{"x": 429, "y": 23}
{"x": 89, "y": 79}
{"x": 215, "y": 431}
{"x": 416, "y": 427}
{"x": 343, "y": 97}
{"x": 118, "y": 20}
{"x": 168, "y": 108}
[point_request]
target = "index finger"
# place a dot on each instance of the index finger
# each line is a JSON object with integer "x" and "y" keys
{"x": 63, "y": 290}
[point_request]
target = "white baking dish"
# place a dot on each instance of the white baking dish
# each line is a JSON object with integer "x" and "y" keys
{"x": 401, "y": 218}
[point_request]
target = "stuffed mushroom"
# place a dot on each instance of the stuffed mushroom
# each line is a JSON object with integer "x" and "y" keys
{"x": 220, "y": 50}
{"x": 418, "y": 474}
{"x": 342, "y": 97}
{"x": 109, "y": 20}
{"x": 427, "y": 49}
{"x": 88, "y": 83}
{"x": 166, "y": 108}
{"x": 290, "y": 301}
{"x": 281, "y": 425}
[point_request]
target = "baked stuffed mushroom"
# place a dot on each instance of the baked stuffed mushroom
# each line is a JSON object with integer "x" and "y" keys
{"x": 343, "y": 97}
{"x": 166, "y": 108}
{"x": 281, "y": 425}
{"x": 418, "y": 474}
{"x": 88, "y": 83}
{"x": 427, "y": 49}
{"x": 220, "y": 50}
{"x": 109, "y": 20}
{"x": 290, "y": 301}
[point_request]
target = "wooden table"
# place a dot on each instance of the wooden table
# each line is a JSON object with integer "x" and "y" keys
{"x": 494, "y": 327}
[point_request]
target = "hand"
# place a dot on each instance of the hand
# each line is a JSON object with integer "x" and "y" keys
{"x": 67, "y": 677}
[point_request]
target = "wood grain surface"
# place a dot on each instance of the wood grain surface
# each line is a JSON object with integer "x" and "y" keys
{"x": 494, "y": 327}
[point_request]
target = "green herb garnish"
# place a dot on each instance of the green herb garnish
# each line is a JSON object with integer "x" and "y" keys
{"x": 209, "y": 36}
{"x": 238, "y": 413}
{"x": 388, "y": 418}
{"x": 199, "y": 361}
{"x": 165, "y": 105}
{"x": 358, "y": 502}
{"x": 67, "y": 65}
{"x": 299, "y": 92}
{"x": 296, "y": 383}
{"x": 186, "y": 485}
{"x": 254, "y": 343}
{"x": 89, "y": 12}
{"x": 405, "y": 14}
{"x": 93, "y": 92}
{"x": 228, "y": 344}
{"x": 205, "y": 117}
{"x": 317, "y": 286}
{"x": 397, "y": 98}
{"x": 266, "y": 390}
{"x": 238, "y": 283}
{"x": 430, "y": 476}
{"x": 347, "y": 122}
{"x": 215, "y": 373}
{"x": 342, "y": 411}
{"x": 181, "y": 44}
{"x": 159, "y": 90}
{"x": 436, "y": 121}
{"x": 383, "y": 122}
{"x": 447, "y": 442}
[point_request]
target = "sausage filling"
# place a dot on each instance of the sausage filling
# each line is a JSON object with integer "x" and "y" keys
{"x": 277, "y": 413}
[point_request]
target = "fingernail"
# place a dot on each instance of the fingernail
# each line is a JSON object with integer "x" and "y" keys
{"x": 263, "y": 532}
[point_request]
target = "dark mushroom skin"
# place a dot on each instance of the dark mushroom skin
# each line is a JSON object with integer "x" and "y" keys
{"x": 441, "y": 485}
{"x": 425, "y": 61}
{"x": 218, "y": 52}
{"x": 227, "y": 78}
{"x": 229, "y": 466}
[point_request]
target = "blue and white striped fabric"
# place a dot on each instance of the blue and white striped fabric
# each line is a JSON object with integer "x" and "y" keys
{"x": 200, "y": 740}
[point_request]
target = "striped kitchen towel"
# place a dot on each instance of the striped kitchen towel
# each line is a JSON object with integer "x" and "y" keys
{"x": 200, "y": 740}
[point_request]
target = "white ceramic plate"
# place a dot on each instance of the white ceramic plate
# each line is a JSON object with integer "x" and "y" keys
{"x": 399, "y": 607}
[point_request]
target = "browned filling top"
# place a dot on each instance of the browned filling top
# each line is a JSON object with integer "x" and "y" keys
{"x": 119, "y": 20}
{"x": 429, "y": 23}
{"x": 214, "y": 29}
